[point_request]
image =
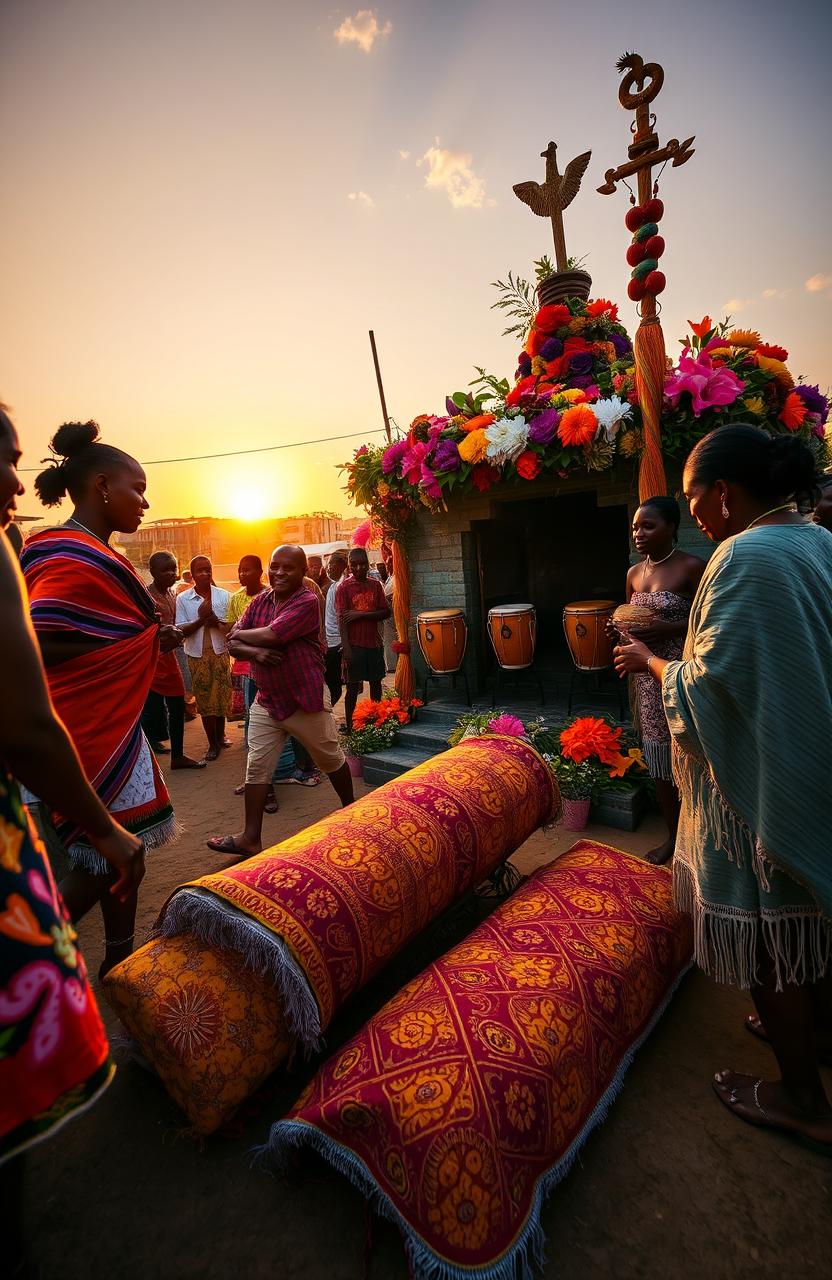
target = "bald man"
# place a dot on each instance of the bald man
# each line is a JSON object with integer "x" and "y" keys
{"x": 280, "y": 635}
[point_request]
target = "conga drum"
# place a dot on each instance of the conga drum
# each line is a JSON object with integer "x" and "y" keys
{"x": 513, "y": 631}
{"x": 442, "y": 635}
{"x": 584, "y": 625}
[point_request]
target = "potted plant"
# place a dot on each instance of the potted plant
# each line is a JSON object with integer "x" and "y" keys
{"x": 375, "y": 726}
{"x": 586, "y": 756}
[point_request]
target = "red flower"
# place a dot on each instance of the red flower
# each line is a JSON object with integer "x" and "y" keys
{"x": 793, "y": 412}
{"x": 535, "y": 341}
{"x": 483, "y": 476}
{"x": 549, "y": 319}
{"x": 705, "y": 325}
{"x": 773, "y": 352}
{"x": 575, "y": 346}
{"x": 557, "y": 368}
{"x": 528, "y": 464}
{"x": 601, "y": 307}
{"x": 590, "y": 736}
{"x": 522, "y": 388}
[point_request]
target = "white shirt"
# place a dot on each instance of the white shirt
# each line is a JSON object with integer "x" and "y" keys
{"x": 333, "y": 631}
{"x": 187, "y": 610}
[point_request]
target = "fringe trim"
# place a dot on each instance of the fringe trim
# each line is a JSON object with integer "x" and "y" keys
{"x": 83, "y": 855}
{"x": 194, "y": 910}
{"x": 528, "y": 1250}
{"x": 728, "y": 942}
{"x": 657, "y": 758}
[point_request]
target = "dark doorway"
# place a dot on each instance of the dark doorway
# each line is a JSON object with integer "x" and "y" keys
{"x": 548, "y": 551}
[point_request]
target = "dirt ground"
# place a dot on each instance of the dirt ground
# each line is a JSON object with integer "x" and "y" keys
{"x": 669, "y": 1185}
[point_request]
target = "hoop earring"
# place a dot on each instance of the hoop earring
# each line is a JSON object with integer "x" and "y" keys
{"x": 106, "y": 499}
{"x": 724, "y": 510}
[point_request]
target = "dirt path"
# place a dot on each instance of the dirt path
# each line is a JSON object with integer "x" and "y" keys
{"x": 669, "y": 1185}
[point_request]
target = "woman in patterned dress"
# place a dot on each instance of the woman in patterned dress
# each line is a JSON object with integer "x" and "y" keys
{"x": 54, "y": 1057}
{"x": 665, "y": 581}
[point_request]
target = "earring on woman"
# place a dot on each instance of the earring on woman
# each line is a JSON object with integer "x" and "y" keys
{"x": 724, "y": 510}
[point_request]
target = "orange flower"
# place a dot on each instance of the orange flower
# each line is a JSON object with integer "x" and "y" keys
{"x": 705, "y": 325}
{"x": 777, "y": 370}
{"x": 482, "y": 420}
{"x": 535, "y": 341}
{"x": 793, "y": 412}
{"x": 578, "y": 425}
{"x": 591, "y": 736}
{"x": 620, "y": 764}
{"x": 601, "y": 307}
{"x": 528, "y": 464}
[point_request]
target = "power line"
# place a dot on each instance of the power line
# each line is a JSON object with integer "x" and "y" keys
{"x": 236, "y": 453}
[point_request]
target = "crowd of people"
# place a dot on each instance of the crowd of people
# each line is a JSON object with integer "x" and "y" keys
{"x": 733, "y": 686}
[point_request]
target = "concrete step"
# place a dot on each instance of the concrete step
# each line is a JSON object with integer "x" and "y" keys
{"x": 381, "y": 766}
{"x": 427, "y": 737}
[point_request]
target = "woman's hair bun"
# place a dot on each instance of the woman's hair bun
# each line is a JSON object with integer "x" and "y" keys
{"x": 793, "y": 467}
{"x": 73, "y": 437}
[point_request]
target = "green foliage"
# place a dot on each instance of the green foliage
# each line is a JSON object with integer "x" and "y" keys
{"x": 517, "y": 300}
{"x": 543, "y": 268}
{"x": 474, "y": 721}
{"x": 497, "y": 388}
{"x": 374, "y": 737}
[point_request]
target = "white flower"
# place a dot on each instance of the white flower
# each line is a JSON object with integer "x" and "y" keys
{"x": 506, "y": 439}
{"x": 610, "y": 414}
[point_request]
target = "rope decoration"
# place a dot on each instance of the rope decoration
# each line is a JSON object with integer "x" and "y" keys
{"x": 401, "y": 618}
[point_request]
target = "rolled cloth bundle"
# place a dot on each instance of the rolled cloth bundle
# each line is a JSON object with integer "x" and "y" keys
{"x": 287, "y": 936}
{"x": 324, "y": 911}
{"x": 466, "y": 1098}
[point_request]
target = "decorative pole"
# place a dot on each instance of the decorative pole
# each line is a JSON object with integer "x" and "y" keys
{"x": 641, "y": 84}
{"x": 380, "y": 387}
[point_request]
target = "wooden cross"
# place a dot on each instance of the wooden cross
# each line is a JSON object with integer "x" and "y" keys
{"x": 558, "y": 191}
{"x": 640, "y": 86}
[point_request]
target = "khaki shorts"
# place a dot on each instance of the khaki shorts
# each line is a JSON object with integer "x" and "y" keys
{"x": 315, "y": 730}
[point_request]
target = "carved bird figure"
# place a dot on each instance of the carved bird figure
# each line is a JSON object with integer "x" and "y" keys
{"x": 558, "y": 191}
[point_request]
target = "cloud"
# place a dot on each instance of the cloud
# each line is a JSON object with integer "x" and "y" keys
{"x": 775, "y": 293}
{"x": 363, "y": 29}
{"x": 451, "y": 172}
{"x": 404, "y": 155}
{"x": 817, "y": 284}
{"x": 361, "y": 197}
{"x": 736, "y": 304}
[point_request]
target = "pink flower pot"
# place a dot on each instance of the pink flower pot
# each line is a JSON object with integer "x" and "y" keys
{"x": 356, "y": 766}
{"x": 575, "y": 813}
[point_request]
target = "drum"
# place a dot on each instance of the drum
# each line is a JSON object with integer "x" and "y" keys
{"x": 584, "y": 625}
{"x": 513, "y": 631}
{"x": 626, "y": 615}
{"x": 442, "y": 635}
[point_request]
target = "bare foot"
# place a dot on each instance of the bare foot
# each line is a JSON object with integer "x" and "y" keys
{"x": 185, "y": 762}
{"x": 768, "y": 1105}
{"x": 114, "y": 956}
{"x": 661, "y": 854}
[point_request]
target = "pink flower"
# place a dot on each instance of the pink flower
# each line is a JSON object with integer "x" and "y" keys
{"x": 413, "y": 460}
{"x": 707, "y": 387}
{"x": 429, "y": 483}
{"x": 508, "y": 725}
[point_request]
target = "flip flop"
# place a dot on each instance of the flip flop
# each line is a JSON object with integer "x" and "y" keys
{"x": 240, "y": 790}
{"x": 211, "y": 754}
{"x": 227, "y": 844}
{"x": 728, "y": 1095}
{"x": 188, "y": 764}
{"x": 754, "y": 1024}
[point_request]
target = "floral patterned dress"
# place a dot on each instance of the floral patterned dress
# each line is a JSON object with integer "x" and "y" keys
{"x": 669, "y": 607}
{"x": 54, "y": 1056}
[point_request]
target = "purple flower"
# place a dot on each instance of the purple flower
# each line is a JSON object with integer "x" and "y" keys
{"x": 446, "y": 456}
{"x": 551, "y": 349}
{"x": 581, "y": 363}
{"x": 814, "y": 400}
{"x": 392, "y": 456}
{"x": 622, "y": 345}
{"x": 542, "y": 428}
{"x": 524, "y": 363}
{"x": 583, "y": 381}
{"x": 452, "y": 408}
{"x": 818, "y": 428}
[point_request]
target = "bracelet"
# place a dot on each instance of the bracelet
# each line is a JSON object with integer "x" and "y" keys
{"x": 650, "y": 669}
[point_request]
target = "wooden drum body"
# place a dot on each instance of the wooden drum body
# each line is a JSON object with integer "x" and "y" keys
{"x": 442, "y": 635}
{"x": 584, "y": 625}
{"x": 513, "y": 631}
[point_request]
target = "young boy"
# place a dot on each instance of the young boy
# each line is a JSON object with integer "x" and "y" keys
{"x": 361, "y": 607}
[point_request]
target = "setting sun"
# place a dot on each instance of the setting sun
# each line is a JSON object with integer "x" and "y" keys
{"x": 249, "y": 502}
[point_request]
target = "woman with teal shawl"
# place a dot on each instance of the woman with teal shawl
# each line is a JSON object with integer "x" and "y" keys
{"x": 750, "y": 713}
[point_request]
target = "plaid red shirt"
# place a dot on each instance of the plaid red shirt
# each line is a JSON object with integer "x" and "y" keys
{"x": 298, "y": 682}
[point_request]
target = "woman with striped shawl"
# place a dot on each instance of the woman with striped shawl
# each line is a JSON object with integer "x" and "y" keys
{"x": 750, "y": 713}
{"x": 99, "y": 636}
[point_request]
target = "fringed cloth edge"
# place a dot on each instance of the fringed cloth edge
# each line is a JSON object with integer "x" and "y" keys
{"x": 85, "y": 856}
{"x": 728, "y": 942}
{"x": 657, "y": 758}
{"x": 526, "y": 1251}
{"x": 216, "y": 923}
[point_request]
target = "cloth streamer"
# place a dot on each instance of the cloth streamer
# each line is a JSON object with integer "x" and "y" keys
{"x": 324, "y": 911}
{"x": 401, "y": 618}
{"x": 650, "y": 374}
{"x": 467, "y": 1097}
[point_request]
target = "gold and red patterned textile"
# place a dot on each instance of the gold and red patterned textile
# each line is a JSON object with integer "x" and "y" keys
{"x": 464, "y": 1100}
{"x": 325, "y": 910}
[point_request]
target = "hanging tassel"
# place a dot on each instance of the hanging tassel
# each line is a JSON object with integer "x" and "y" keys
{"x": 401, "y": 617}
{"x": 650, "y": 375}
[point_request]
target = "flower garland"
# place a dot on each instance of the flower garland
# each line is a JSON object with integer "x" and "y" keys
{"x": 375, "y": 725}
{"x": 573, "y": 406}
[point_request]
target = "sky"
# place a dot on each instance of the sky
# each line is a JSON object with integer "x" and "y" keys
{"x": 207, "y": 205}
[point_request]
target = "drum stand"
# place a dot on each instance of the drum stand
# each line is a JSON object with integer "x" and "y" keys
{"x": 516, "y": 679}
{"x": 595, "y": 676}
{"x": 445, "y": 675}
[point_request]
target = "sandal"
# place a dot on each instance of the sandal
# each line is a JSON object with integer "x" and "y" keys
{"x": 227, "y": 844}
{"x": 728, "y": 1086}
{"x": 271, "y": 805}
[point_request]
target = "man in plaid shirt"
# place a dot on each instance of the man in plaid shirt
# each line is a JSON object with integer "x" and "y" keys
{"x": 280, "y": 635}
